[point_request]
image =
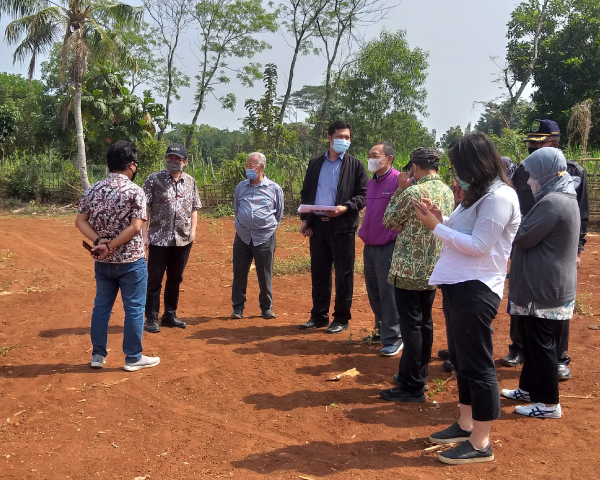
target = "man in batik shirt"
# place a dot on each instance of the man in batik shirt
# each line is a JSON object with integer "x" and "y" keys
{"x": 415, "y": 254}
{"x": 173, "y": 205}
{"x": 111, "y": 213}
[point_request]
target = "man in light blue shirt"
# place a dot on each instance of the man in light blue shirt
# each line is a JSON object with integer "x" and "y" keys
{"x": 258, "y": 207}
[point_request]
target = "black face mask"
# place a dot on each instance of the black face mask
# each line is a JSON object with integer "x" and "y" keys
{"x": 532, "y": 149}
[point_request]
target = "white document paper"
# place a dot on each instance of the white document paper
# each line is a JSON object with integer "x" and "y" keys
{"x": 316, "y": 208}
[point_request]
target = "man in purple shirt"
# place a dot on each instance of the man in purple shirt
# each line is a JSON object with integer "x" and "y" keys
{"x": 379, "y": 247}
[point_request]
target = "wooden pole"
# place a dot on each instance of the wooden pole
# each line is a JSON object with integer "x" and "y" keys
{"x": 203, "y": 170}
{"x": 212, "y": 171}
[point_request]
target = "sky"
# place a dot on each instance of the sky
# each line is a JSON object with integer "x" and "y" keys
{"x": 461, "y": 36}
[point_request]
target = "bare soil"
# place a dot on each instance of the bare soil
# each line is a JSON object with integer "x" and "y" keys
{"x": 246, "y": 398}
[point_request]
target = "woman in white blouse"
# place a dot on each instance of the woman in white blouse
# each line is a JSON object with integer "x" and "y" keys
{"x": 477, "y": 241}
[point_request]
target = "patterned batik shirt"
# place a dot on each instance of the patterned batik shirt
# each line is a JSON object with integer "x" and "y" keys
{"x": 111, "y": 204}
{"x": 416, "y": 250}
{"x": 171, "y": 205}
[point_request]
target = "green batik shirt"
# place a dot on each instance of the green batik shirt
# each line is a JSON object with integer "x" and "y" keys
{"x": 416, "y": 250}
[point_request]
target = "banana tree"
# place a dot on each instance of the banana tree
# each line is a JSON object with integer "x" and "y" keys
{"x": 85, "y": 29}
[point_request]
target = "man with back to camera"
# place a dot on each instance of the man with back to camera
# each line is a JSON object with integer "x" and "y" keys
{"x": 379, "y": 247}
{"x": 415, "y": 254}
{"x": 258, "y": 207}
{"x": 111, "y": 213}
{"x": 339, "y": 180}
{"x": 546, "y": 133}
{"x": 173, "y": 204}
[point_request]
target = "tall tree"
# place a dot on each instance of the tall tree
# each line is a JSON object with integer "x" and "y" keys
{"x": 383, "y": 86}
{"x": 529, "y": 22}
{"x": 226, "y": 29}
{"x": 298, "y": 18}
{"x": 83, "y": 27}
{"x": 336, "y": 29}
{"x": 171, "y": 18}
{"x": 568, "y": 70}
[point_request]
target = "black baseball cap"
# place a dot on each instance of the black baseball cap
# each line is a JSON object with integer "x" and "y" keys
{"x": 177, "y": 149}
{"x": 540, "y": 130}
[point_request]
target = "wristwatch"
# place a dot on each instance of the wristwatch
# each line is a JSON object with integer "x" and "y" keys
{"x": 97, "y": 241}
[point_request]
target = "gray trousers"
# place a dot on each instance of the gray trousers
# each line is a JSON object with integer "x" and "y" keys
{"x": 263, "y": 260}
{"x": 377, "y": 262}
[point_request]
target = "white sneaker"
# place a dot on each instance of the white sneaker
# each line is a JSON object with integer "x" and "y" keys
{"x": 144, "y": 362}
{"x": 517, "y": 394}
{"x": 97, "y": 361}
{"x": 539, "y": 410}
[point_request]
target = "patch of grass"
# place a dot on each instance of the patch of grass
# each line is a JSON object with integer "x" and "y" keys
{"x": 6, "y": 254}
{"x": 223, "y": 210}
{"x": 581, "y": 308}
{"x": 12, "y": 206}
{"x": 365, "y": 337}
{"x": 290, "y": 227}
{"x": 359, "y": 267}
{"x": 438, "y": 386}
{"x": 295, "y": 264}
{"x": 5, "y": 350}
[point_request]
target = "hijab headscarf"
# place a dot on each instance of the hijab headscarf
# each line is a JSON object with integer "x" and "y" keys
{"x": 548, "y": 167}
{"x": 511, "y": 168}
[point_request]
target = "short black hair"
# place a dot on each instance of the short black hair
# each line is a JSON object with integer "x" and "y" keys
{"x": 338, "y": 125}
{"x": 388, "y": 149}
{"x": 120, "y": 154}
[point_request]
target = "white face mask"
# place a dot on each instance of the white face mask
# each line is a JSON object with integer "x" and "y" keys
{"x": 374, "y": 164}
{"x": 534, "y": 184}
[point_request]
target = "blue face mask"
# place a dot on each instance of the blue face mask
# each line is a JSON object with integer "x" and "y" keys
{"x": 251, "y": 174}
{"x": 340, "y": 145}
{"x": 464, "y": 185}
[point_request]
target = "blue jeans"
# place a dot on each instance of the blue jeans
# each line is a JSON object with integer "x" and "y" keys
{"x": 132, "y": 279}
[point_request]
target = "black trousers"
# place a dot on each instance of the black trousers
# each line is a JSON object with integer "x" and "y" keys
{"x": 328, "y": 248}
{"x": 416, "y": 327}
{"x": 172, "y": 260}
{"x": 469, "y": 308}
{"x": 561, "y": 335}
{"x": 263, "y": 256}
{"x": 538, "y": 376}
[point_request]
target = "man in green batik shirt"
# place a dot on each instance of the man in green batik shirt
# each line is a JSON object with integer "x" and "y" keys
{"x": 415, "y": 254}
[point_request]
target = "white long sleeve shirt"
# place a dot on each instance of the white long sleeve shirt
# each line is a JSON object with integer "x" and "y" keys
{"x": 478, "y": 240}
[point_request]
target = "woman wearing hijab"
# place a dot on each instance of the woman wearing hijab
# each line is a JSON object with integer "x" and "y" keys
{"x": 543, "y": 278}
{"x": 471, "y": 271}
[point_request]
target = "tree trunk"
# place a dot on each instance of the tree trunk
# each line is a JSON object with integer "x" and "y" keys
{"x": 286, "y": 97}
{"x": 81, "y": 160}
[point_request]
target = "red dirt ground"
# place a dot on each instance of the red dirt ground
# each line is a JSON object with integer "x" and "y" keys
{"x": 244, "y": 398}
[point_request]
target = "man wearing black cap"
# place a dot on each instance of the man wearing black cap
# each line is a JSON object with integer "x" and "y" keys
{"x": 416, "y": 252}
{"x": 173, "y": 204}
{"x": 545, "y": 133}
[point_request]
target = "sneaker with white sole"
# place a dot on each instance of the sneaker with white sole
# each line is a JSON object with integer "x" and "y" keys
{"x": 516, "y": 394}
{"x": 539, "y": 410}
{"x": 391, "y": 350}
{"x": 97, "y": 361}
{"x": 144, "y": 362}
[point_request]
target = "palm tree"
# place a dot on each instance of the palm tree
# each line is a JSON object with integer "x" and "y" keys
{"x": 84, "y": 27}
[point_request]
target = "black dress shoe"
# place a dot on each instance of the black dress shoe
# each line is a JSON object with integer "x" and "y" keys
{"x": 336, "y": 327}
{"x": 172, "y": 322}
{"x": 152, "y": 326}
{"x": 444, "y": 354}
{"x": 448, "y": 366}
{"x": 312, "y": 323}
{"x": 564, "y": 372}
{"x": 398, "y": 395}
{"x": 512, "y": 360}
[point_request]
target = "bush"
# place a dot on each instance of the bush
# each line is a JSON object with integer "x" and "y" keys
{"x": 223, "y": 210}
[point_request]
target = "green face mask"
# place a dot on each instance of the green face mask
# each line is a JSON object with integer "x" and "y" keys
{"x": 464, "y": 185}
